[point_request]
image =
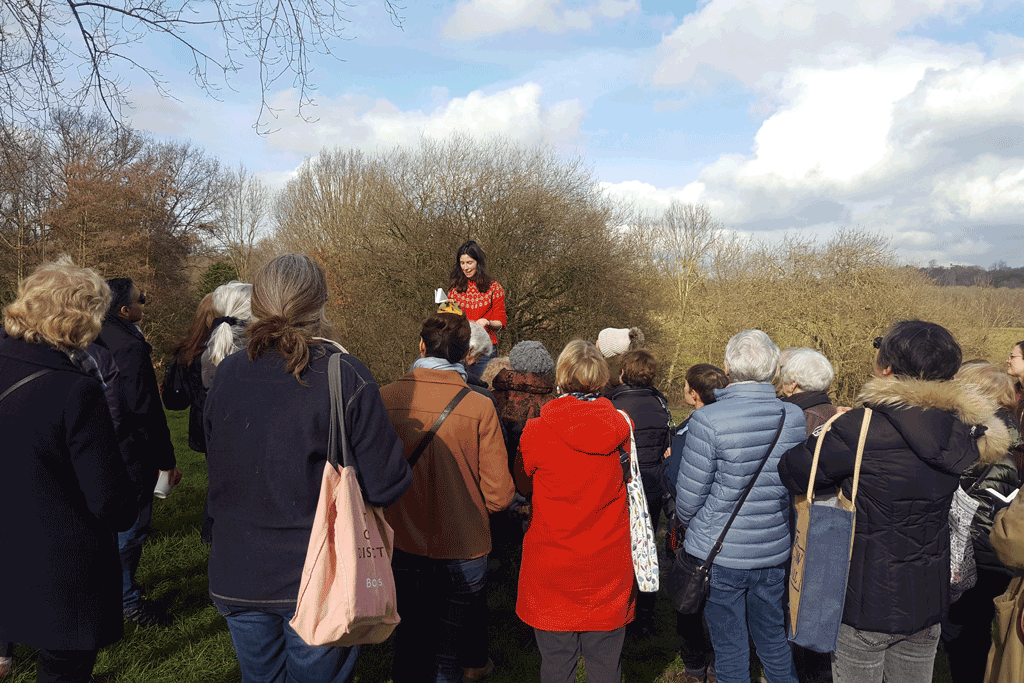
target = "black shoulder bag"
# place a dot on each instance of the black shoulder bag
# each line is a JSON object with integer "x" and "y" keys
{"x": 688, "y": 580}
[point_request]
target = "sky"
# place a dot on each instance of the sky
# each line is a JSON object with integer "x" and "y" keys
{"x": 903, "y": 117}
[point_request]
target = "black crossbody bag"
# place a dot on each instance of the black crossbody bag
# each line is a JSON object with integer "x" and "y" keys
{"x": 688, "y": 579}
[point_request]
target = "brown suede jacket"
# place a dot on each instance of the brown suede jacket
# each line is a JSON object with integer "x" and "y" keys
{"x": 461, "y": 476}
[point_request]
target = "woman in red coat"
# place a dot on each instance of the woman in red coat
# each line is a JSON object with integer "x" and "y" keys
{"x": 576, "y": 584}
{"x": 479, "y": 296}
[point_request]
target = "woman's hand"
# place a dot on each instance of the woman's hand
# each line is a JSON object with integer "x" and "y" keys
{"x": 483, "y": 322}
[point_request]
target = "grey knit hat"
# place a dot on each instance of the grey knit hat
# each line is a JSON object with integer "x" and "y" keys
{"x": 531, "y": 356}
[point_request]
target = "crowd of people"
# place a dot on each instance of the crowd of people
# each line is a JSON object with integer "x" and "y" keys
{"x": 475, "y": 456}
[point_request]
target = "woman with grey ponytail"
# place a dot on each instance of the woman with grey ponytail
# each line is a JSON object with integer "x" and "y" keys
{"x": 232, "y": 306}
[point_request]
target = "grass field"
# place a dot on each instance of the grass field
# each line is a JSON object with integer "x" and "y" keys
{"x": 196, "y": 647}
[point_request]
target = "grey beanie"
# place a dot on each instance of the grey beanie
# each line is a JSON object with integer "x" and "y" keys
{"x": 531, "y": 356}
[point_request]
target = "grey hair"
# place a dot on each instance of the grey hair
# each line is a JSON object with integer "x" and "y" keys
{"x": 232, "y": 300}
{"x": 751, "y": 356}
{"x": 808, "y": 368}
{"x": 479, "y": 341}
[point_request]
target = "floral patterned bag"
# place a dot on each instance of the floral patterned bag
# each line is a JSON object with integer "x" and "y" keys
{"x": 641, "y": 532}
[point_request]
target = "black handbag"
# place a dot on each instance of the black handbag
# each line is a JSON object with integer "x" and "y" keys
{"x": 688, "y": 580}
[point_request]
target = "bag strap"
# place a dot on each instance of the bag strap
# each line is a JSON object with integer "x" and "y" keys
{"x": 822, "y": 430}
{"x": 981, "y": 477}
{"x": 22, "y": 382}
{"x": 337, "y": 431}
{"x": 861, "y": 439}
{"x": 717, "y": 548}
{"x": 625, "y": 458}
{"x": 860, "y": 451}
{"x": 425, "y": 441}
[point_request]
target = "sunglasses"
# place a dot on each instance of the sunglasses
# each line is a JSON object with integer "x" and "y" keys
{"x": 877, "y": 343}
{"x": 142, "y": 299}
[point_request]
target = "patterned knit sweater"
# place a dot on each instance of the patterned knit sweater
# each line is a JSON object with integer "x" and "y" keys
{"x": 476, "y": 305}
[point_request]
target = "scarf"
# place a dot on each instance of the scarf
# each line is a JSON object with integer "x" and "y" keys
{"x": 432, "y": 363}
{"x": 584, "y": 397}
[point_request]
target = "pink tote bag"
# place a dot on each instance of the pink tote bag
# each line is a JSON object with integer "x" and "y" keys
{"x": 347, "y": 592}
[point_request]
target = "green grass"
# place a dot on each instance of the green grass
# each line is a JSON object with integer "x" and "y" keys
{"x": 196, "y": 647}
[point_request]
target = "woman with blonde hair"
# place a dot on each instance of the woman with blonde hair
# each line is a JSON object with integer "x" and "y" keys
{"x": 64, "y": 490}
{"x": 966, "y": 629}
{"x": 576, "y": 584}
{"x": 267, "y": 419}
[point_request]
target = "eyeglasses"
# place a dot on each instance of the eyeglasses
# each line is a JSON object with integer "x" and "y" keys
{"x": 877, "y": 343}
{"x": 1011, "y": 357}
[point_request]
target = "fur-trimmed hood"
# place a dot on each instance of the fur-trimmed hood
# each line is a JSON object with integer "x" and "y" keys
{"x": 898, "y": 397}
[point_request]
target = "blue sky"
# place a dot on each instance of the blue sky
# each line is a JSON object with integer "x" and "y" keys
{"x": 903, "y": 117}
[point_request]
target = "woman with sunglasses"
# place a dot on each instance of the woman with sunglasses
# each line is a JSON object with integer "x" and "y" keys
{"x": 923, "y": 433}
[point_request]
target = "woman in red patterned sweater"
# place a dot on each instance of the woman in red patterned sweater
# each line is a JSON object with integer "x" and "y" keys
{"x": 481, "y": 298}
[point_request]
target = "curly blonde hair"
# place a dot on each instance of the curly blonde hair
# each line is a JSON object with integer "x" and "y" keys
{"x": 59, "y": 304}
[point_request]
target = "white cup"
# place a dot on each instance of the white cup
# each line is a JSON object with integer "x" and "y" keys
{"x": 163, "y": 484}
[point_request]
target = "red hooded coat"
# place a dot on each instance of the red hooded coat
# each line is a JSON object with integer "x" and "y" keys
{"x": 577, "y": 572}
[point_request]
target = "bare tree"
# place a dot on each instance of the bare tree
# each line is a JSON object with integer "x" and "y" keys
{"x": 242, "y": 221}
{"x": 68, "y": 54}
{"x": 681, "y": 243}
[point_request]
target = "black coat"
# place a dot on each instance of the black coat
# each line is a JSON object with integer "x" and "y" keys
{"x": 919, "y": 443}
{"x": 64, "y": 491}
{"x": 183, "y": 389}
{"x": 652, "y": 421}
{"x": 266, "y": 437}
{"x": 133, "y": 396}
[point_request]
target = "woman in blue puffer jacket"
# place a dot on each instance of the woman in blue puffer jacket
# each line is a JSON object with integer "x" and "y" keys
{"x": 725, "y": 445}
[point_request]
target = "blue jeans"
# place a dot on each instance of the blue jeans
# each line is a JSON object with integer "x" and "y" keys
{"x": 443, "y": 605}
{"x": 867, "y": 656}
{"x": 129, "y": 545}
{"x": 746, "y": 604}
{"x": 269, "y": 651}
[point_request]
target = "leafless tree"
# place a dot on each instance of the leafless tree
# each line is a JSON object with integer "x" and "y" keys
{"x": 68, "y": 54}
{"x": 243, "y": 213}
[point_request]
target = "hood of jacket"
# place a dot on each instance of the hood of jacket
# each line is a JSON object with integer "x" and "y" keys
{"x": 923, "y": 412}
{"x": 593, "y": 427}
{"x": 527, "y": 382}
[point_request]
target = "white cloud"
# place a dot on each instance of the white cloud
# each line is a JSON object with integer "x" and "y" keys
{"x": 647, "y": 197}
{"x": 479, "y": 18}
{"x": 924, "y": 145}
{"x": 751, "y": 40}
{"x": 361, "y": 121}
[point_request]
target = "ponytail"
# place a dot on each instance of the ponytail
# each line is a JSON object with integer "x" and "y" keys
{"x": 288, "y": 299}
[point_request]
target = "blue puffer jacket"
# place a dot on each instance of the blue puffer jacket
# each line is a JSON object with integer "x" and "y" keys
{"x": 725, "y": 444}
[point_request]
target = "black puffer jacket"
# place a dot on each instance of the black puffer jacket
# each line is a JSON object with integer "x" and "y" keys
{"x": 1002, "y": 477}
{"x": 919, "y": 443}
{"x": 649, "y": 411}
